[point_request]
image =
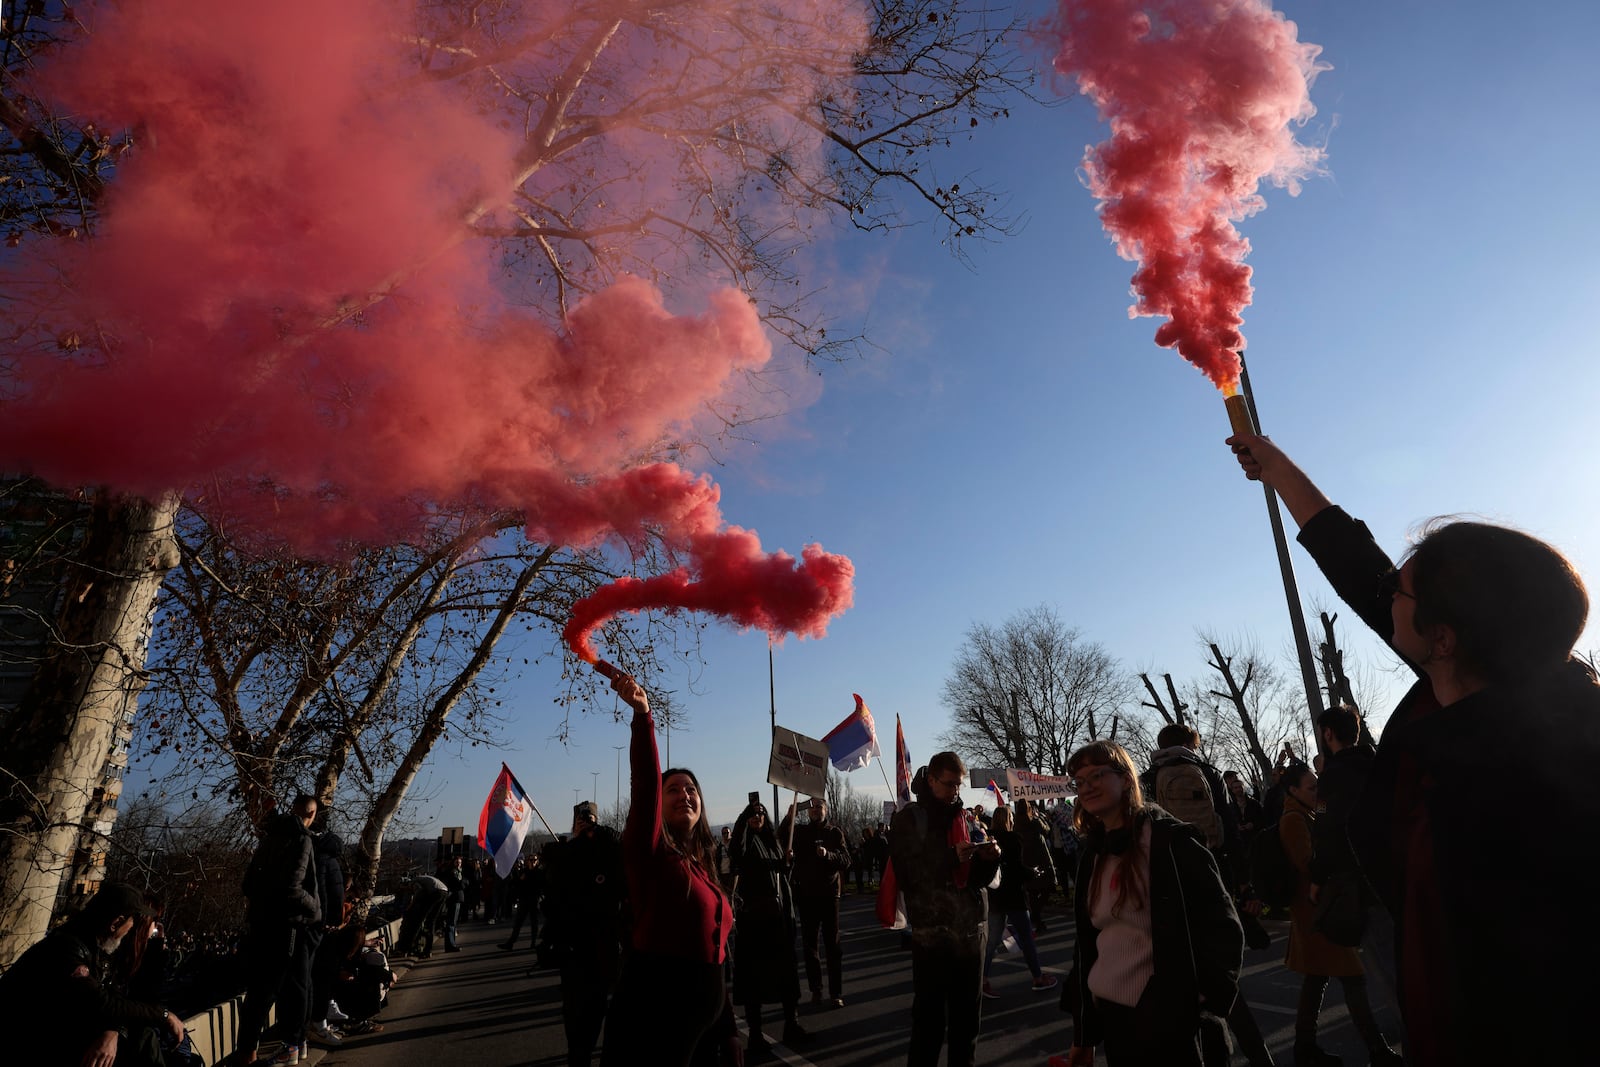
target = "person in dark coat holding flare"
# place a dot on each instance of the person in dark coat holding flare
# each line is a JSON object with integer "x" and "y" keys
{"x": 1487, "y": 616}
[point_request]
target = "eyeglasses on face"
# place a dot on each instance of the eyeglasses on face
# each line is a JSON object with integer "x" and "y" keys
{"x": 948, "y": 783}
{"x": 1389, "y": 585}
{"x": 1089, "y": 777}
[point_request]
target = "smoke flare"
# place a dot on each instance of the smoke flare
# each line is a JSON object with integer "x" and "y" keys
{"x": 1201, "y": 96}
{"x": 282, "y": 313}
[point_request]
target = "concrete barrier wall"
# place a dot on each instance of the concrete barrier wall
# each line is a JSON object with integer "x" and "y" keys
{"x": 215, "y": 1031}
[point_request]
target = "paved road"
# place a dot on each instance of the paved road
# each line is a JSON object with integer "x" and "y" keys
{"x": 482, "y": 1006}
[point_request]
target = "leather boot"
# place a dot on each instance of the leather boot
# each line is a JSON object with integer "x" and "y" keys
{"x": 1308, "y": 1054}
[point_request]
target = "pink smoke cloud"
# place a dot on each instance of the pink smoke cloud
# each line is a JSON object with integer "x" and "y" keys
{"x": 281, "y": 314}
{"x": 1201, "y": 96}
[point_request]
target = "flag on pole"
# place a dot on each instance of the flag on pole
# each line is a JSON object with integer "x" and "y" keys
{"x": 902, "y": 765}
{"x": 993, "y": 796}
{"x": 853, "y": 743}
{"x": 507, "y": 817}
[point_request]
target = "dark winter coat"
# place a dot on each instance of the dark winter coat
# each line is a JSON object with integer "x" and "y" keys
{"x": 764, "y": 970}
{"x": 586, "y": 898}
{"x": 281, "y": 881}
{"x": 1472, "y": 828}
{"x": 327, "y": 849}
{"x": 818, "y": 876}
{"x": 1011, "y": 894}
{"x": 57, "y": 998}
{"x": 1339, "y": 788}
{"x": 1197, "y": 940}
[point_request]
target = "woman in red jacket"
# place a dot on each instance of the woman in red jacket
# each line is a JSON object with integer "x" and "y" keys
{"x": 672, "y": 988}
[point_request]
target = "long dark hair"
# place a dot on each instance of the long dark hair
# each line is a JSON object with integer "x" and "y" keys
{"x": 699, "y": 845}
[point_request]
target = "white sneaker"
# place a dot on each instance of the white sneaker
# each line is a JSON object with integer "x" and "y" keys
{"x": 325, "y": 1033}
{"x": 334, "y": 1014}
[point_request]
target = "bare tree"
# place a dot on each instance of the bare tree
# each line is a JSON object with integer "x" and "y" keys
{"x": 1252, "y": 709}
{"x": 275, "y": 675}
{"x": 1025, "y": 694}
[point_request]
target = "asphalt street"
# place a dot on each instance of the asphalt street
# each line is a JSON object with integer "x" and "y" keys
{"x": 487, "y": 1006}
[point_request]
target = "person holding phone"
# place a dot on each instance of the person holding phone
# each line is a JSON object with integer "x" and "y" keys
{"x": 942, "y": 873}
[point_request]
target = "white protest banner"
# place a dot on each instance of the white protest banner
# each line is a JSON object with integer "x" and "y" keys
{"x": 1026, "y": 785}
{"x": 804, "y": 768}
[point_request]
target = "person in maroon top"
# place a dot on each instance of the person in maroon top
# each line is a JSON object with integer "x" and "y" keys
{"x": 672, "y": 989}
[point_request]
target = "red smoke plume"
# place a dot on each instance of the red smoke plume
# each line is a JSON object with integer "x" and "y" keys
{"x": 1200, "y": 95}
{"x": 280, "y": 313}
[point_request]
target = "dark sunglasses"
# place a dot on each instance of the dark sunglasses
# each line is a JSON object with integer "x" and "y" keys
{"x": 1389, "y": 585}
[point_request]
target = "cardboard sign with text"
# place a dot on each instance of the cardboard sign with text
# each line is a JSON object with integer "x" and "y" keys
{"x": 1026, "y": 785}
{"x": 803, "y": 769}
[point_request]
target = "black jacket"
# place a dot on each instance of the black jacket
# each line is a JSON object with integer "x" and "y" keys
{"x": 1339, "y": 788}
{"x": 1473, "y": 828}
{"x": 327, "y": 848}
{"x": 813, "y": 875}
{"x": 281, "y": 881}
{"x": 1198, "y": 943}
{"x": 925, "y": 869}
{"x": 586, "y": 894}
{"x": 56, "y": 999}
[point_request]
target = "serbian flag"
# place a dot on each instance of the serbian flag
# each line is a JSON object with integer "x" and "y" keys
{"x": 507, "y": 817}
{"x": 853, "y": 743}
{"x": 902, "y": 766}
{"x": 994, "y": 796}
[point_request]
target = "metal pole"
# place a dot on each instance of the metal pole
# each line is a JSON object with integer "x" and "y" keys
{"x": 1291, "y": 592}
{"x": 772, "y": 694}
{"x": 594, "y": 786}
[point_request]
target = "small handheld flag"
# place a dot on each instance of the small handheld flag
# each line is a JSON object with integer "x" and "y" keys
{"x": 853, "y": 743}
{"x": 507, "y": 817}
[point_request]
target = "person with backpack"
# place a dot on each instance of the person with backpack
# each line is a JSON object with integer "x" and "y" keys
{"x": 1158, "y": 941}
{"x": 1310, "y": 953}
{"x": 1193, "y": 791}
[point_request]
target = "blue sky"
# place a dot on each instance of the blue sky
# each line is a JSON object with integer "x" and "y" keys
{"x": 1421, "y": 340}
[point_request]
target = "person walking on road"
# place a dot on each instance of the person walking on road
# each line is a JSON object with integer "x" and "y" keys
{"x": 586, "y": 895}
{"x": 1008, "y": 905}
{"x": 820, "y": 856}
{"x": 764, "y": 970}
{"x": 942, "y": 874}
{"x": 1312, "y": 955}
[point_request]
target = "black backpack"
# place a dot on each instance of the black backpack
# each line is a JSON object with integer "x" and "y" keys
{"x": 1272, "y": 876}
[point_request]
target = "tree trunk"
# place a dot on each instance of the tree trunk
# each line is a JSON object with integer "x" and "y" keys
{"x": 57, "y": 743}
{"x": 369, "y": 850}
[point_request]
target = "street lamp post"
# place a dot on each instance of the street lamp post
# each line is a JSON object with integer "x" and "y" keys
{"x": 619, "y": 749}
{"x": 594, "y": 787}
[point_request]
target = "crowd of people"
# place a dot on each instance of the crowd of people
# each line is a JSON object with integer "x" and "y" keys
{"x": 675, "y": 930}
